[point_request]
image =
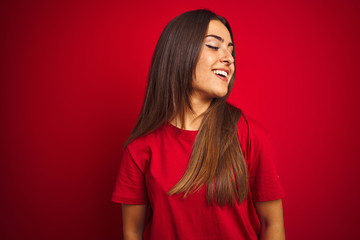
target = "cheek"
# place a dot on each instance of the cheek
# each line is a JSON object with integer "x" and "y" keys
{"x": 204, "y": 65}
{"x": 200, "y": 70}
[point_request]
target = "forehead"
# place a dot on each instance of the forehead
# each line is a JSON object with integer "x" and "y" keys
{"x": 218, "y": 28}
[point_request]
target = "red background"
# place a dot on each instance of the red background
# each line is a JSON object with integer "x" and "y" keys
{"x": 73, "y": 76}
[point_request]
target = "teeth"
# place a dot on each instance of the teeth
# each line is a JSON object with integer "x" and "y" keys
{"x": 220, "y": 72}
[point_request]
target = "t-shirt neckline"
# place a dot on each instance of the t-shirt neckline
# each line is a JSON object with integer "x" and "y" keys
{"x": 184, "y": 131}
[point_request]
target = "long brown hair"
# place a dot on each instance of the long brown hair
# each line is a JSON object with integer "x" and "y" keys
{"x": 216, "y": 160}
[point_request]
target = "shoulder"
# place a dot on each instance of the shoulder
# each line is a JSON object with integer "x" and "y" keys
{"x": 247, "y": 123}
{"x": 145, "y": 143}
{"x": 139, "y": 151}
{"x": 252, "y": 135}
{"x": 251, "y": 127}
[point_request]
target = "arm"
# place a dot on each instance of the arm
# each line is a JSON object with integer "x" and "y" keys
{"x": 272, "y": 221}
{"x": 133, "y": 221}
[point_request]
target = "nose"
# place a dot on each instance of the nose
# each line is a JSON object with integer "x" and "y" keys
{"x": 227, "y": 57}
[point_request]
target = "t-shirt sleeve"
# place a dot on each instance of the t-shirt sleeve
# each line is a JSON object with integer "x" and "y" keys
{"x": 264, "y": 179}
{"x": 130, "y": 185}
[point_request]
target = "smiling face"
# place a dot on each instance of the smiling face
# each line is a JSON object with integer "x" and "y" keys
{"x": 215, "y": 66}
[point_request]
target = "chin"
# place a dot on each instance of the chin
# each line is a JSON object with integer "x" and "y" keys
{"x": 220, "y": 94}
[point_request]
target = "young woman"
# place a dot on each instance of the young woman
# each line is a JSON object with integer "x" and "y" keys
{"x": 195, "y": 167}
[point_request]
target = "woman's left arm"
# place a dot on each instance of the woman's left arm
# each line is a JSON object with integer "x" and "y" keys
{"x": 272, "y": 220}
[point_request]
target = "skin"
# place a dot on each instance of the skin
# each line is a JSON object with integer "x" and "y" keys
{"x": 215, "y": 54}
{"x": 272, "y": 221}
{"x": 133, "y": 221}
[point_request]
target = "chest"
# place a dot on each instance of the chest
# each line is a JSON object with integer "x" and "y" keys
{"x": 167, "y": 165}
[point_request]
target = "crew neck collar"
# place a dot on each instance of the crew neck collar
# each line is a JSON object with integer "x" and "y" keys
{"x": 177, "y": 129}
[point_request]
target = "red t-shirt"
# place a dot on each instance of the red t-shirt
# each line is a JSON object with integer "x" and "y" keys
{"x": 151, "y": 165}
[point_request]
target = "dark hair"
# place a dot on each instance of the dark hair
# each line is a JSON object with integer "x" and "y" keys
{"x": 216, "y": 158}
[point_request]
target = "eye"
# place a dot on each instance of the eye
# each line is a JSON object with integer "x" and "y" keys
{"x": 212, "y": 47}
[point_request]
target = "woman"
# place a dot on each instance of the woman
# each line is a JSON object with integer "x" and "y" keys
{"x": 195, "y": 167}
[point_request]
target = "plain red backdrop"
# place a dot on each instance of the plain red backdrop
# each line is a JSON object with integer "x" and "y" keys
{"x": 73, "y": 76}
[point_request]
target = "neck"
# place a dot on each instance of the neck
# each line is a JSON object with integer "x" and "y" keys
{"x": 192, "y": 118}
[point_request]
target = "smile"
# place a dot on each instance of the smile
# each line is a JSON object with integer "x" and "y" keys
{"x": 220, "y": 72}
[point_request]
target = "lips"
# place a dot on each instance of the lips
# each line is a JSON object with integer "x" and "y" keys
{"x": 221, "y": 73}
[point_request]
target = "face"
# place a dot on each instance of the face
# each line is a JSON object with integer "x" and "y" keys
{"x": 215, "y": 66}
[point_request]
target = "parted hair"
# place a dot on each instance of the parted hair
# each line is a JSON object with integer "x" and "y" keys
{"x": 216, "y": 160}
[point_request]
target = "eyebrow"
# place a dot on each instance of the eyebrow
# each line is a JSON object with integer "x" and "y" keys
{"x": 220, "y": 39}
